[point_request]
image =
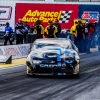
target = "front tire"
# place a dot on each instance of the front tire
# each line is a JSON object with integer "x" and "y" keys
{"x": 76, "y": 75}
{"x": 29, "y": 73}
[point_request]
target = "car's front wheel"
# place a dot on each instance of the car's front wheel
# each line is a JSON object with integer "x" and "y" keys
{"x": 76, "y": 75}
{"x": 29, "y": 72}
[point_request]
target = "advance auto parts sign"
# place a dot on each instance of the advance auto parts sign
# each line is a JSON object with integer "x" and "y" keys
{"x": 44, "y": 16}
{"x": 65, "y": 13}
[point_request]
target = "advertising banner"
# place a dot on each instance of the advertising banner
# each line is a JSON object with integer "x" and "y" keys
{"x": 89, "y": 12}
{"x": 65, "y": 13}
{"x": 17, "y": 51}
{"x": 7, "y": 14}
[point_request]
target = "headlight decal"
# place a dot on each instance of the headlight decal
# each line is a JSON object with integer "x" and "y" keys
{"x": 36, "y": 61}
{"x": 70, "y": 61}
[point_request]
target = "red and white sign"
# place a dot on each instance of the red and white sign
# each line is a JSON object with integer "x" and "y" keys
{"x": 7, "y": 14}
{"x": 65, "y": 13}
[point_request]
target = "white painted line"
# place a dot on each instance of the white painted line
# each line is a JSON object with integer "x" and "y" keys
{"x": 12, "y": 67}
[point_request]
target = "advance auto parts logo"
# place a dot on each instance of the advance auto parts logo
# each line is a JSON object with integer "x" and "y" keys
{"x": 45, "y": 16}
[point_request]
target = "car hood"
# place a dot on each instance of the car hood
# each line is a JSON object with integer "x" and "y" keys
{"x": 52, "y": 53}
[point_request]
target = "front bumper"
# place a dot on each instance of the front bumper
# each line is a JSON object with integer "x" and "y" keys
{"x": 68, "y": 70}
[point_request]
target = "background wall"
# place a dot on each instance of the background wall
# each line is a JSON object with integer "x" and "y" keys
{"x": 77, "y": 12}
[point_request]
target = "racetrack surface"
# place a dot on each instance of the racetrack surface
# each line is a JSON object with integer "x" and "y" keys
{"x": 15, "y": 85}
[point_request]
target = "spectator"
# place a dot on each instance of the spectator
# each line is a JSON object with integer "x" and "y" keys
{"x": 80, "y": 36}
{"x": 97, "y": 32}
{"x": 39, "y": 29}
{"x": 86, "y": 32}
{"x": 56, "y": 23}
{"x": 32, "y": 29}
{"x": 19, "y": 32}
{"x": 91, "y": 30}
{"x": 7, "y": 35}
{"x": 93, "y": 44}
{"x": 26, "y": 30}
{"x": 51, "y": 30}
{"x": 73, "y": 32}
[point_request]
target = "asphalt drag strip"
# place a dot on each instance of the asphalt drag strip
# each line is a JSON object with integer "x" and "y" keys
{"x": 15, "y": 85}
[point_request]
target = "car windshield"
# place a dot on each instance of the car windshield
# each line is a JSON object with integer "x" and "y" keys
{"x": 42, "y": 45}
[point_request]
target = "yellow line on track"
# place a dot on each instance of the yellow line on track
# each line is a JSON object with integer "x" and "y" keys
{"x": 15, "y": 62}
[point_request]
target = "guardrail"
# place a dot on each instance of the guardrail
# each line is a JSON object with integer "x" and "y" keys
{"x": 17, "y": 51}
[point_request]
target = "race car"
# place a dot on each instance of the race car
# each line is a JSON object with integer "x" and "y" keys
{"x": 53, "y": 56}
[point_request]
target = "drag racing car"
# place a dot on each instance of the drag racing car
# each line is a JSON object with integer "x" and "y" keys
{"x": 53, "y": 56}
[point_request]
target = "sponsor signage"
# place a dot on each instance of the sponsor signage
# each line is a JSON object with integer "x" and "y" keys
{"x": 91, "y": 13}
{"x": 91, "y": 16}
{"x": 7, "y": 14}
{"x": 65, "y": 13}
{"x": 2, "y": 57}
{"x": 17, "y": 51}
{"x": 1, "y": 52}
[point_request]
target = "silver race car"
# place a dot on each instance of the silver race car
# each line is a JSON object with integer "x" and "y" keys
{"x": 53, "y": 56}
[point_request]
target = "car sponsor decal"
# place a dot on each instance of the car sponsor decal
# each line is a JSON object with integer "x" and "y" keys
{"x": 52, "y": 65}
{"x": 60, "y": 74}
